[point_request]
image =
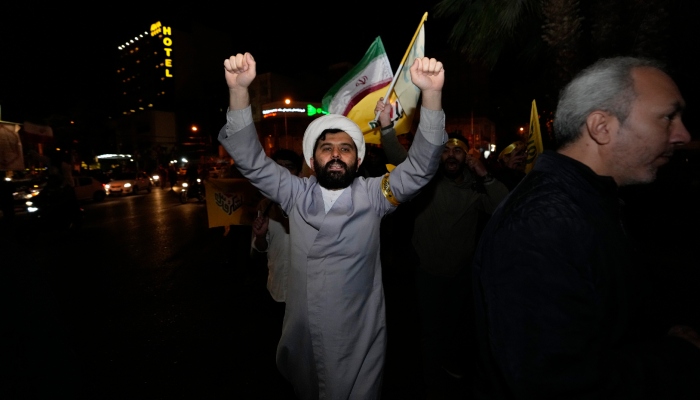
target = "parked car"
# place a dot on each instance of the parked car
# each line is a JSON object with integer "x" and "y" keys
{"x": 25, "y": 190}
{"x": 89, "y": 188}
{"x": 129, "y": 183}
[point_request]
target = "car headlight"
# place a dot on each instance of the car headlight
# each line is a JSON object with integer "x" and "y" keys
{"x": 107, "y": 187}
{"x": 127, "y": 185}
{"x": 184, "y": 184}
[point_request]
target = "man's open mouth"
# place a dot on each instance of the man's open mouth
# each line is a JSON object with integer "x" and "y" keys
{"x": 336, "y": 166}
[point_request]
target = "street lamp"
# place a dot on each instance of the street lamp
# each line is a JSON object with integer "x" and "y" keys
{"x": 286, "y": 135}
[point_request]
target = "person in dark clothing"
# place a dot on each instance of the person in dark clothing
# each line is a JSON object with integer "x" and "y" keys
{"x": 59, "y": 208}
{"x": 510, "y": 165}
{"x": 172, "y": 176}
{"x": 444, "y": 222}
{"x": 561, "y": 302}
{"x": 7, "y": 201}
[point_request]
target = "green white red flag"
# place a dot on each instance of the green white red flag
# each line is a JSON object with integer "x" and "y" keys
{"x": 373, "y": 72}
{"x": 402, "y": 94}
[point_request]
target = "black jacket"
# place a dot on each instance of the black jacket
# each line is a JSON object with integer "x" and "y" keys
{"x": 559, "y": 301}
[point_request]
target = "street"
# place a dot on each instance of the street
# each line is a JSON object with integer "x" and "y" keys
{"x": 146, "y": 301}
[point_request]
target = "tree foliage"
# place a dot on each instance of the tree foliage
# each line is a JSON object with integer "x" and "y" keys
{"x": 564, "y": 35}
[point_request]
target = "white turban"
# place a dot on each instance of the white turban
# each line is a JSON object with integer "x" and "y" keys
{"x": 332, "y": 121}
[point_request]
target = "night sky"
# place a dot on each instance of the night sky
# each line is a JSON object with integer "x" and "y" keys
{"x": 54, "y": 62}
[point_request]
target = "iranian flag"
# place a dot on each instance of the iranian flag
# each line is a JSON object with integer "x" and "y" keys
{"x": 401, "y": 94}
{"x": 372, "y": 73}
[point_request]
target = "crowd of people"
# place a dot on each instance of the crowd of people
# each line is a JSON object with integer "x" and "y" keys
{"x": 528, "y": 285}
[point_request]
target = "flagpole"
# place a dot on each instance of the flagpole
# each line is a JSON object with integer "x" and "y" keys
{"x": 403, "y": 60}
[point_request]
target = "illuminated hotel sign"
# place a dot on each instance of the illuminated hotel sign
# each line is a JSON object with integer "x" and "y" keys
{"x": 166, "y": 31}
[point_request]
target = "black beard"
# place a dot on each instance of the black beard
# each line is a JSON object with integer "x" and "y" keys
{"x": 452, "y": 174}
{"x": 333, "y": 180}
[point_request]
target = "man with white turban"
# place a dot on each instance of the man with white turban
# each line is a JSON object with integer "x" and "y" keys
{"x": 334, "y": 331}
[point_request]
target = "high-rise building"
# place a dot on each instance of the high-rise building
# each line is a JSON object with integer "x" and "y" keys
{"x": 165, "y": 78}
{"x": 146, "y": 71}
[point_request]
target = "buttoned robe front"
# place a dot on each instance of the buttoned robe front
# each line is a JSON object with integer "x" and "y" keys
{"x": 334, "y": 332}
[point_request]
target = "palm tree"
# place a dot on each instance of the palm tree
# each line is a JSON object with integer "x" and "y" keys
{"x": 551, "y": 40}
{"x": 565, "y": 34}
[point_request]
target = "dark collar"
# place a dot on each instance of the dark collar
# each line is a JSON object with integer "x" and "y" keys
{"x": 551, "y": 161}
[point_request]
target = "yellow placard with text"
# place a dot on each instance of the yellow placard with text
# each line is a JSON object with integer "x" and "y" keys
{"x": 231, "y": 202}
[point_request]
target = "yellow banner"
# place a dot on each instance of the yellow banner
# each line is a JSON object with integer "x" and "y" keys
{"x": 231, "y": 202}
{"x": 402, "y": 88}
{"x": 363, "y": 113}
{"x": 534, "y": 140}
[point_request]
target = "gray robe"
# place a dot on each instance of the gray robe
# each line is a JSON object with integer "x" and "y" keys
{"x": 334, "y": 331}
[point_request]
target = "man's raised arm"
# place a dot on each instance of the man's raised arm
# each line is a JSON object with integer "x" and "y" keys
{"x": 423, "y": 160}
{"x": 239, "y": 72}
{"x": 428, "y": 75}
{"x": 394, "y": 151}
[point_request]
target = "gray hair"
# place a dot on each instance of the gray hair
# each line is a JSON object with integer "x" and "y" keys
{"x": 607, "y": 85}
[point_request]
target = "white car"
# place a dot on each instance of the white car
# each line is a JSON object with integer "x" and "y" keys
{"x": 129, "y": 183}
{"x": 88, "y": 188}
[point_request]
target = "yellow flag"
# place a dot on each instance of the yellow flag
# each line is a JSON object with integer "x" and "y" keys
{"x": 534, "y": 140}
{"x": 231, "y": 201}
{"x": 404, "y": 94}
{"x": 363, "y": 113}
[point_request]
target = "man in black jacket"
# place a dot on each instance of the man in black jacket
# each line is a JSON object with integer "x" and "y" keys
{"x": 557, "y": 287}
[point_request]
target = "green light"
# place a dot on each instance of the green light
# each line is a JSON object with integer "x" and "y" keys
{"x": 311, "y": 110}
